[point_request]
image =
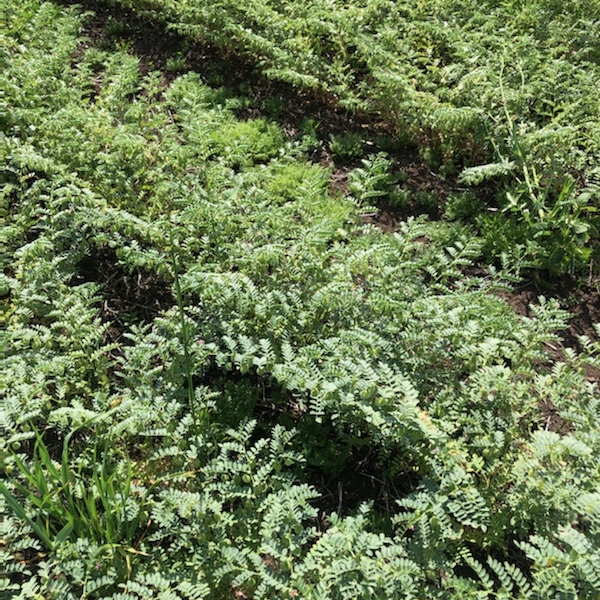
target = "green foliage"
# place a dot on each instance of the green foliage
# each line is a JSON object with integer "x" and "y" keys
{"x": 348, "y": 560}
{"x": 100, "y": 507}
{"x": 463, "y": 206}
{"x": 205, "y": 350}
{"x": 434, "y": 71}
{"x": 548, "y": 215}
{"x": 349, "y": 146}
{"x": 373, "y": 179}
{"x": 250, "y": 141}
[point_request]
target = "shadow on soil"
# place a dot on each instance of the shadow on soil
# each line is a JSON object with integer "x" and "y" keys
{"x": 127, "y": 297}
{"x": 345, "y": 473}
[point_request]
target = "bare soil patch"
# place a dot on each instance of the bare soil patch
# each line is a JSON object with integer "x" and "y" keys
{"x": 581, "y": 300}
{"x": 138, "y": 296}
{"x": 551, "y": 418}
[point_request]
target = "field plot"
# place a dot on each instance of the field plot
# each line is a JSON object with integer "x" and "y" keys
{"x": 300, "y": 300}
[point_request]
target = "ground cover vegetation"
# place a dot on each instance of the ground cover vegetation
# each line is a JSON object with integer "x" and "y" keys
{"x": 506, "y": 92}
{"x": 223, "y": 377}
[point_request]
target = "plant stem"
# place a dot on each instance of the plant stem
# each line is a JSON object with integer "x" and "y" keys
{"x": 200, "y": 421}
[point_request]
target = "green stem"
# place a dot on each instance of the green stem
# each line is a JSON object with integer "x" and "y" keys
{"x": 200, "y": 421}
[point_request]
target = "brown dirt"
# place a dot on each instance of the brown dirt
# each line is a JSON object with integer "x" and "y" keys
{"x": 136, "y": 297}
{"x": 551, "y": 418}
{"x": 388, "y": 220}
{"x": 581, "y": 300}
